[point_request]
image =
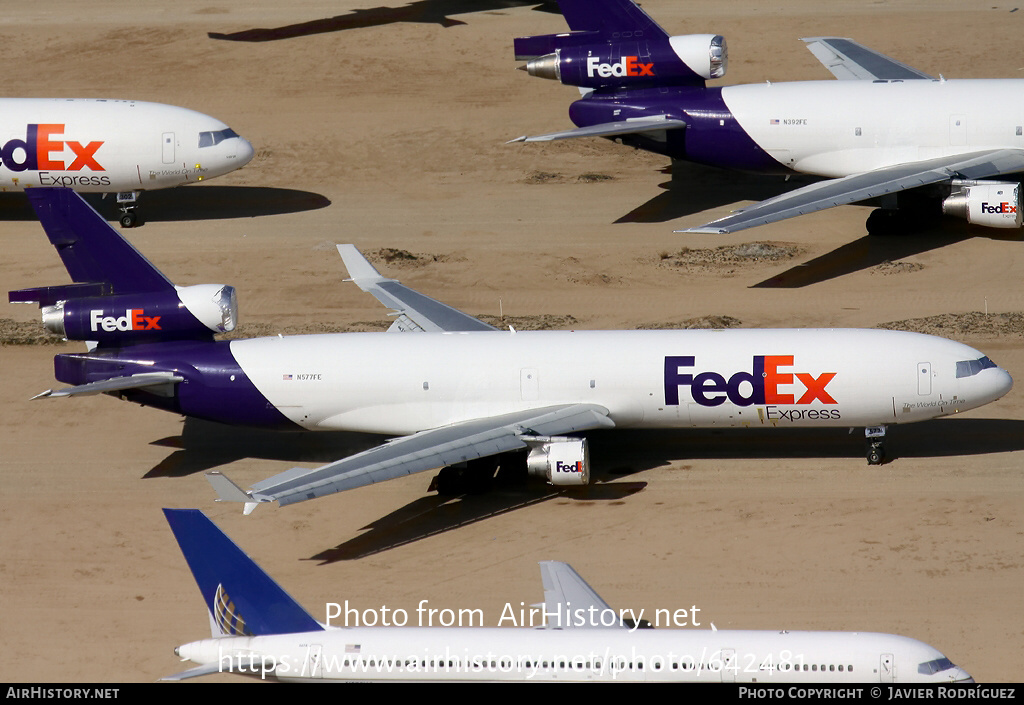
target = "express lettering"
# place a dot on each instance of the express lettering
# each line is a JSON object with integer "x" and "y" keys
{"x": 39, "y": 148}
{"x": 133, "y": 319}
{"x": 759, "y": 386}
{"x": 627, "y": 66}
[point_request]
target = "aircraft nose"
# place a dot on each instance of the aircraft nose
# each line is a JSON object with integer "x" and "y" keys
{"x": 245, "y": 151}
{"x": 999, "y": 383}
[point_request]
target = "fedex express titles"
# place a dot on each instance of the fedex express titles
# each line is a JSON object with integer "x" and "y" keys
{"x": 759, "y": 387}
{"x": 42, "y": 150}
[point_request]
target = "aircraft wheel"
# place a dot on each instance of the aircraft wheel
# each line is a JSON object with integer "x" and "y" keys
{"x": 129, "y": 220}
{"x": 884, "y": 222}
{"x": 876, "y": 454}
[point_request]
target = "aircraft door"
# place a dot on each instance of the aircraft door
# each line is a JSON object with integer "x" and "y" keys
{"x": 957, "y": 130}
{"x": 168, "y": 148}
{"x": 529, "y": 385}
{"x": 313, "y": 667}
{"x": 887, "y": 669}
{"x": 729, "y": 666}
{"x": 924, "y": 378}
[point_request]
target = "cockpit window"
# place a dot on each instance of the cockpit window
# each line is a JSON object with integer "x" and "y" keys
{"x": 969, "y": 368}
{"x": 939, "y": 664}
{"x": 209, "y": 139}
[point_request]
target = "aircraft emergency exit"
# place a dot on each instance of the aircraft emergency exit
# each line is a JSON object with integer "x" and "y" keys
{"x": 455, "y": 392}
{"x": 112, "y": 146}
{"x": 925, "y": 146}
{"x": 258, "y": 630}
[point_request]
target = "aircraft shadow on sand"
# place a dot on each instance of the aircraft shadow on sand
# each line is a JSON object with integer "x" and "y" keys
{"x": 204, "y": 445}
{"x": 203, "y": 202}
{"x": 700, "y": 188}
{"x": 422, "y": 11}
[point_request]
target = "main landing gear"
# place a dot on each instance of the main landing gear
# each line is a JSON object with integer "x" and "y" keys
{"x": 875, "y": 436}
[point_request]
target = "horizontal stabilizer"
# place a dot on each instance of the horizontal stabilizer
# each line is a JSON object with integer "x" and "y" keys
{"x": 91, "y": 250}
{"x": 527, "y": 48}
{"x": 49, "y": 295}
{"x": 609, "y": 129}
{"x": 205, "y": 670}
{"x": 241, "y": 598}
{"x": 416, "y": 312}
{"x": 157, "y": 382}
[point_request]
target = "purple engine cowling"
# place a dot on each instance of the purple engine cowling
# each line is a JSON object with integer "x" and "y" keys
{"x": 181, "y": 314}
{"x": 682, "y": 60}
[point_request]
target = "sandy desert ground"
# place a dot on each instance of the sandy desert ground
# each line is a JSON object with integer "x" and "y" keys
{"x": 386, "y": 129}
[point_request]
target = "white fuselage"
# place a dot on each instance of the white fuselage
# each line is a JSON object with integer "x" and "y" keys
{"x": 573, "y": 655}
{"x": 838, "y": 128}
{"x": 111, "y": 145}
{"x": 398, "y": 384}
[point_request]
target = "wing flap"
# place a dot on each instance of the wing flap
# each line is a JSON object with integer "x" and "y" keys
{"x": 850, "y": 60}
{"x": 416, "y": 312}
{"x": 870, "y": 184}
{"x": 427, "y": 450}
{"x": 610, "y": 129}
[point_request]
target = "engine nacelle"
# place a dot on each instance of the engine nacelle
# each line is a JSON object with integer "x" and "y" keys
{"x": 994, "y": 204}
{"x": 187, "y": 312}
{"x": 685, "y": 59}
{"x": 562, "y": 461}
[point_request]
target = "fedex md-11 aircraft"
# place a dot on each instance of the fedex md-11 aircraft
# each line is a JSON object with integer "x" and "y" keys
{"x": 112, "y": 146}
{"x": 455, "y": 392}
{"x": 258, "y": 630}
{"x": 923, "y": 145}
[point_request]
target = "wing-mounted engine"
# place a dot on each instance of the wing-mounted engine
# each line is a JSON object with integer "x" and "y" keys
{"x": 576, "y": 61}
{"x": 560, "y": 460}
{"x": 87, "y": 312}
{"x": 994, "y": 204}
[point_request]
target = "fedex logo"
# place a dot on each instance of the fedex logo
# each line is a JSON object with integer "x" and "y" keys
{"x": 568, "y": 467}
{"x": 759, "y": 386}
{"x": 628, "y": 66}
{"x": 1003, "y": 207}
{"x": 133, "y": 319}
{"x": 40, "y": 149}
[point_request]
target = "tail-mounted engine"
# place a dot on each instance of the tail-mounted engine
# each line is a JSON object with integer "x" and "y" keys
{"x": 994, "y": 204}
{"x": 560, "y": 460}
{"x": 86, "y": 312}
{"x": 681, "y": 60}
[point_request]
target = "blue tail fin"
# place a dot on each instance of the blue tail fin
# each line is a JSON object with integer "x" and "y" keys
{"x": 242, "y": 599}
{"x": 92, "y": 251}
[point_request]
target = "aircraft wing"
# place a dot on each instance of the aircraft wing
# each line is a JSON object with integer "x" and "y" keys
{"x": 870, "y": 184}
{"x": 415, "y": 311}
{"x": 610, "y": 129}
{"x": 426, "y": 450}
{"x": 565, "y": 593}
{"x": 848, "y": 60}
{"x": 158, "y": 381}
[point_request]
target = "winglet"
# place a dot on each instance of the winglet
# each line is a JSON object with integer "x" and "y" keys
{"x": 359, "y": 268}
{"x": 567, "y": 596}
{"x": 228, "y": 491}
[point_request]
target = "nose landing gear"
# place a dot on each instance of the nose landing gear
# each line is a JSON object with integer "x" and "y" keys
{"x": 875, "y": 436}
{"x": 126, "y": 201}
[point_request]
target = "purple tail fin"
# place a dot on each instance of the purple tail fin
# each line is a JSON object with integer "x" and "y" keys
{"x": 92, "y": 251}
